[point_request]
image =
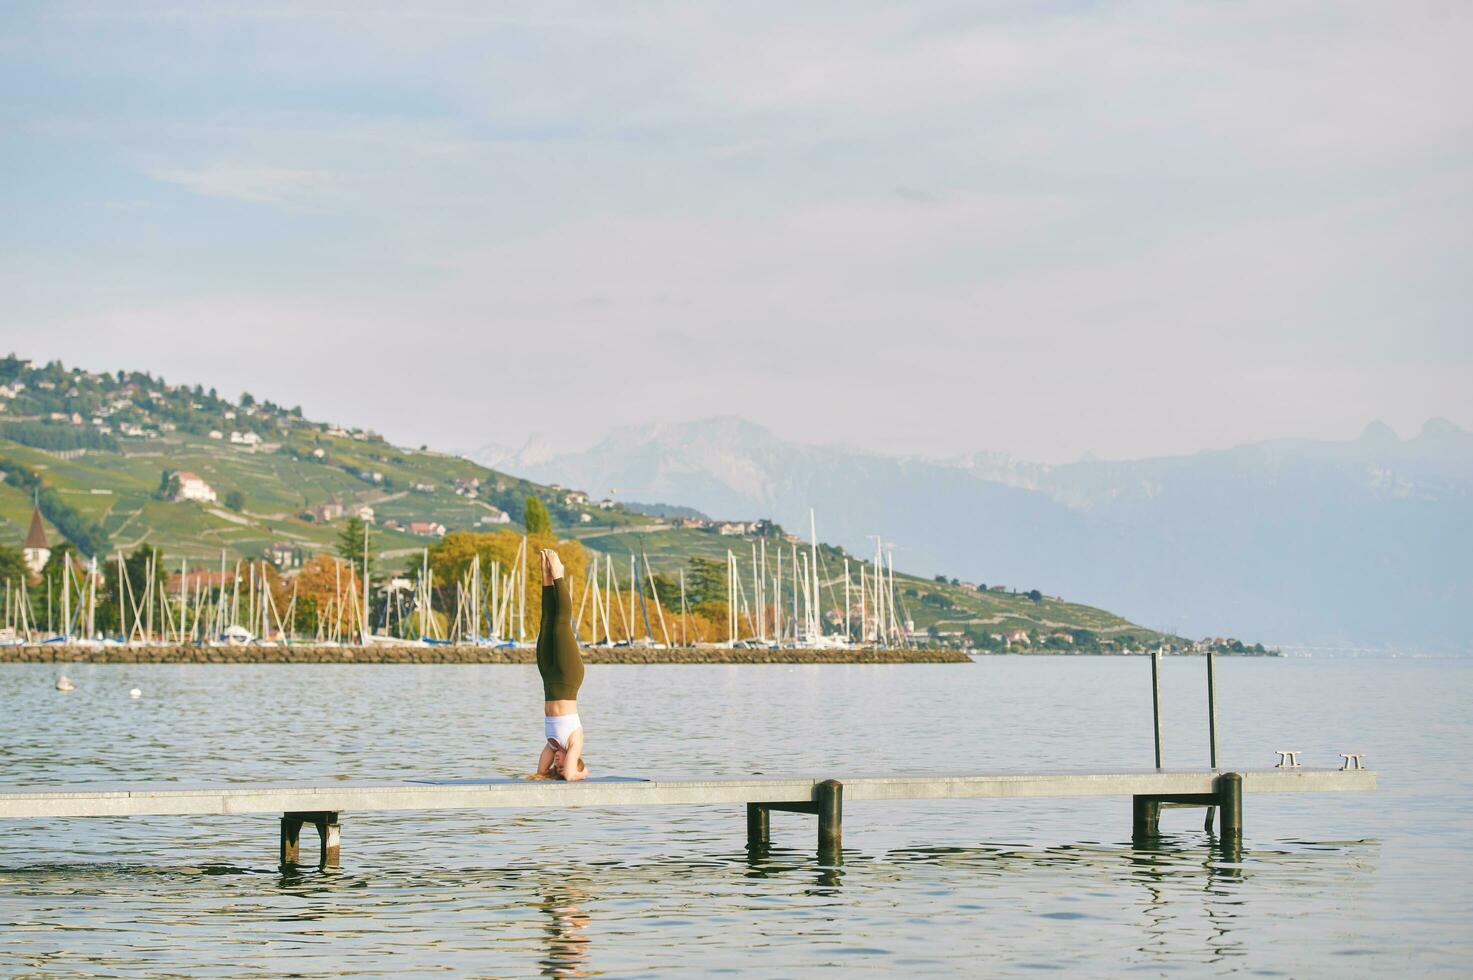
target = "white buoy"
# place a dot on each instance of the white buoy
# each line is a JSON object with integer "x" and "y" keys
{"x": 135, "y": 693}
{"x": 64, "y": 683}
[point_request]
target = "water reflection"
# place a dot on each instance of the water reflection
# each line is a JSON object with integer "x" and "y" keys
{"x": 564, "y": 920}
{"x": 768, "y": 862}
{"x": 1191, "y": 903}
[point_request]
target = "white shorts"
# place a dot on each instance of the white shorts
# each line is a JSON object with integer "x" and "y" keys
{"x": 560, "y": 727}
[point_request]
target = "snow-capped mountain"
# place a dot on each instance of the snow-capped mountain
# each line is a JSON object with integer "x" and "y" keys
{"x": 1346, "y": 544}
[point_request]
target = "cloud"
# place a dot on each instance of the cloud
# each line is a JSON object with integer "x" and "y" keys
{"x": 297, "y": 190}
{"x": 1018, "y": 226}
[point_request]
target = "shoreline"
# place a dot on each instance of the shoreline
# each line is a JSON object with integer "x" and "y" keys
{"x": 459, "y": 654}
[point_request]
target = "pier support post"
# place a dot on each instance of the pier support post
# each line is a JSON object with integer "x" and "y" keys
{"x": 759, "y": 826}
{"x": 828, "y": 800}
{"x": 1145, "y": 814}
{"x": 1230, "y": 805}
{"x": 329, "y": 835}
{"x": 291, "y": 832}
{"x": 827, "y": 804}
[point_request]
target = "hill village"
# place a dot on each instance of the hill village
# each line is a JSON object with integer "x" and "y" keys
{"x": 69, "y": 413}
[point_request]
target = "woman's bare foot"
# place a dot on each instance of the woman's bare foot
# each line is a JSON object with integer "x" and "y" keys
{"x": 546, "y": 566}
{"x": 554, "y": 564}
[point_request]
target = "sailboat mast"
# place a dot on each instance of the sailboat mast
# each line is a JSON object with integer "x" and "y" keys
{"x": 364, "y": 632}
{"x": 817, "y": 625}
{"x": 683, "y": 614}
{"x": 66, "y": 598}
{"x": 757, "y": 592}
{"x": 655, "y": 594}
{"x": 846, "y": 598}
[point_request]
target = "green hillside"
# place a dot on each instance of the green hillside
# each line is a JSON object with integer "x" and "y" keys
{"x": 101, "y": 446}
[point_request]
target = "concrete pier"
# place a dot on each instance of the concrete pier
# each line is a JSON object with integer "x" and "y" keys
{"x": 320, "y": 803}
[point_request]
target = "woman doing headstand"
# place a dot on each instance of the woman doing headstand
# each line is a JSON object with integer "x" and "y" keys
{"x": 561, "y": 667}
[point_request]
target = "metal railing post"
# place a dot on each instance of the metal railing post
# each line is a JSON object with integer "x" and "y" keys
{"x": 1212, "y": 706}
{"x": 1156, "y": 699}
{"x": 1211, "y": 725}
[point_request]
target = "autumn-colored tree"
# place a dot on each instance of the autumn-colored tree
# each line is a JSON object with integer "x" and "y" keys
{"x": 706, "y": 624}
{"x": 451, "y": 557}
{"x": 268, "y": 576}
{"x": 329, "y": 596}
{"x": 714, "y": 611}
{"x": 698, "y": 628}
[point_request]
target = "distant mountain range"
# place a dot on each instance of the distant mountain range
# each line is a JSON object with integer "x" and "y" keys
{"x": 1360, "y": 544}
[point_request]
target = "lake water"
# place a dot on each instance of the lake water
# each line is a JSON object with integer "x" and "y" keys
{"x": 1326, "y": 884}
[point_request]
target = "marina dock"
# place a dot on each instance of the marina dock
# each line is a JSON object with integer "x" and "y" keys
{"x": 464, "y": 653}
{"x": 321, "y": 804}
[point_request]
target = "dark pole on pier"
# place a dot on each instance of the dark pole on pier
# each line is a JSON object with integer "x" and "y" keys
{"x": 828, "y": 799}
{"x": 759, "y": 827}
{"x": 1230, "y": 802}
{"x": 1211, "y": 723}
{"x": 1156, "y": 699}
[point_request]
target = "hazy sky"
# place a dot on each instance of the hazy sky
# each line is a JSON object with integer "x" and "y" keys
{"x": 1042, "y": 228}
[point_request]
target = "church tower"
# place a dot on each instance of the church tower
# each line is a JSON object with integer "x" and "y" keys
{"x": 37, "y": 548}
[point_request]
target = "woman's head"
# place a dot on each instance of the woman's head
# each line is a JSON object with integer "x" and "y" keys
{"x": 557, "y": 765}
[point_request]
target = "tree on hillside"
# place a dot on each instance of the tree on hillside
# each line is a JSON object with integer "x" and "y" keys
{"x": 13, "y": 569}
{"x": 706, "y": 581}
{"x": 1035, "y": 595}
{"x": 668, "y": 589}
{"x": 51, "y": 576}
{"x": 87, "y": 534}
{"x": 536, "y": 519}
{"x": 351, "y": 544}
{"x": 129, "y": 594}
{"x": 235, "y": 500}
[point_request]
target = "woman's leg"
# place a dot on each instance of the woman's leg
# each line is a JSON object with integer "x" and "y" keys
{"x": 565, "y": 644}
{"x": 546, "y": 654}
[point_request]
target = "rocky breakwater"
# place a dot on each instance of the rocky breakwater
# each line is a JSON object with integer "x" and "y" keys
{"x": 414, "y": 654}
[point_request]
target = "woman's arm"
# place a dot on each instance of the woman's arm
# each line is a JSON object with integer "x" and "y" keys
{"x": 573, "y": 768}
{"x": 544, "y": 764}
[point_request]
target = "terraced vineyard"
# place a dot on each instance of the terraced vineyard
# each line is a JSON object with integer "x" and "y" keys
{"x": 273, "y": 477}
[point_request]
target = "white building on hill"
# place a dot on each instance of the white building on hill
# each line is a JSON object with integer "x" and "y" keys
{"x": 189, "y": 486}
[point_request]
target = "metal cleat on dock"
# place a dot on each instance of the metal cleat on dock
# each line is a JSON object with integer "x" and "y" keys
{"x": 1288, "y": 759}
{"x": 1352, "y": 761}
